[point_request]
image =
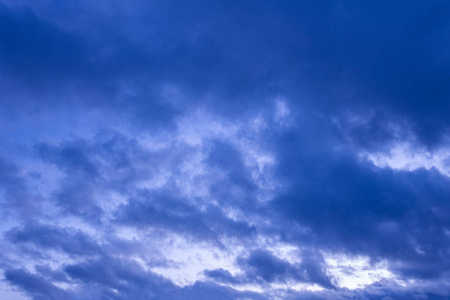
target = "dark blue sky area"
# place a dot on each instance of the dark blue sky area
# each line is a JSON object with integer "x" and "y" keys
{"x": 224, "y": 149}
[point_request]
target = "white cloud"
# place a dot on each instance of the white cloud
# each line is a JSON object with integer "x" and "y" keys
{"x": 404, "y": 156}
{"x": 355, "y": 272}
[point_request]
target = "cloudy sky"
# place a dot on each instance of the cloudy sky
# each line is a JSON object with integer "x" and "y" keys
{"x": 224, "y": 149}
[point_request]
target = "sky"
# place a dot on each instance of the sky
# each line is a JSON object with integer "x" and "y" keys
{"x": 224, "y": 149}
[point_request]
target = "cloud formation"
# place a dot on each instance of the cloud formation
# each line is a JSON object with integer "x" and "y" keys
{"x": 252, "y": 150}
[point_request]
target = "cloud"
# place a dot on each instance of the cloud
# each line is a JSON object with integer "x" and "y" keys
{"x": 37, "y": 286}
{"x": 263, "y": 264}
{"x": 47, "y": 237}
{"x": 206, "y": 150}
{"x": 356, "y": 206}
{"x": 163, "y": 210}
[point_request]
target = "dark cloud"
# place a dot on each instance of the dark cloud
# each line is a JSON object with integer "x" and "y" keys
{"x": 16, "y": 197}
{"x": 237, "y": 188}
{"x": 85, "y": 173}
{"x": 50, "y": 274}
{"x": 95, "y": 100}
{"x": 221, "y": 275}
{"x": 70, "y": 158}
{"x": 119, "y": 279}
{"x": 339, "y": 55}
{"x": 69, "y": 241}
{"x": 352, "y": 205}
{"x": 35, "y": 285}
{"x": 262, "y": 265}
{"x": 43, "y": 63}
{"x": 168, "y": 211}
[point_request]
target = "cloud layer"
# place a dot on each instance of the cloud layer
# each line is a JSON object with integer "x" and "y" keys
{"x": 253, "y": 150}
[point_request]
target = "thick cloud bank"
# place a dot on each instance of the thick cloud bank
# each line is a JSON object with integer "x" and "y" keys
{"x": 224, "y": 150}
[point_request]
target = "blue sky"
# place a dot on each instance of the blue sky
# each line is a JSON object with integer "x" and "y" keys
{"x": 224, "y": 149}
